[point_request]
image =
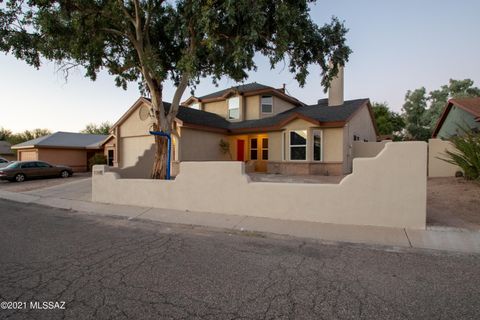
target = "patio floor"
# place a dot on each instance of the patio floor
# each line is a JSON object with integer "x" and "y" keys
{"x": 269, "y": 177}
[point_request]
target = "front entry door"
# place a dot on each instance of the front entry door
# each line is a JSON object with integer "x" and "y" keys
{"x": 240, "y": 150}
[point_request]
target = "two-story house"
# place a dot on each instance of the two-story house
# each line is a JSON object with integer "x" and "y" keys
{"x": 271, "y": 130}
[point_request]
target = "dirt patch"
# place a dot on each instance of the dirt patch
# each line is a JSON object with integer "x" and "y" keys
{"x": 453, "y": 202}
{"x": 268, "y": 177}
{"x": 36, "y": 184}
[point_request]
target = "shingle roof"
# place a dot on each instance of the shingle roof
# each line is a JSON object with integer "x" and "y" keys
{"x": 5, "y": 148}
{"x": 320, "y": 112}
{"x": 65, "y": 140}
{"x": 471, "y": 105}
{"x": 241, "y": 88}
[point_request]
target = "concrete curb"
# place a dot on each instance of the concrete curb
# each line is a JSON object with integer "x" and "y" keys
{"x": 444, "y": 239}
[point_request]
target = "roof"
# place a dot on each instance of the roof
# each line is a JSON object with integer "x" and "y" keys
{"x": 5, "y": 148}
{"x": 470, "y": 105}
{"x": 241, "y": 89}
{"x": 61, "y": 139}
{"x": 248, "y": 89}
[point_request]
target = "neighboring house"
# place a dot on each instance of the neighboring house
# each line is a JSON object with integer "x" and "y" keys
{"x": 459, "y": 113}
{"x": 264, "y": 126}
{"x": 66, "y": 148}
{"x": 6, "y": 151}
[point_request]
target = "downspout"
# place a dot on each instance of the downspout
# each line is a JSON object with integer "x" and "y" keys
{"x": 169, "y": 139}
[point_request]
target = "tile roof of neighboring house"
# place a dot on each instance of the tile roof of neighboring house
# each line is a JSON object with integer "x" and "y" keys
{"x": 61, "y": 139}
{"x": 241, "y": 88}
{"x": 5, "y": 148}
{"x": 470, "y": 105}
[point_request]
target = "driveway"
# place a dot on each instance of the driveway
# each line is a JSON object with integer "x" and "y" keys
{"x": 108, "y": 268}
{"x": 36, "y": 184}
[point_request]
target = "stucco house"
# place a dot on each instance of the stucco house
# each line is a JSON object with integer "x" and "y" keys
{"x": 458, "y": 113}
{"x": 65, "y": 148}
{"x": 263, "y": 126}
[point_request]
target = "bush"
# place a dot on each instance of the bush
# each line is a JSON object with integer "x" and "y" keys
{"x": 98, "y": 158}
{"x": 468, "y": 155}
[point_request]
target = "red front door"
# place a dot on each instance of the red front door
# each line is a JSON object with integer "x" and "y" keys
{"x": 240, "y": 150}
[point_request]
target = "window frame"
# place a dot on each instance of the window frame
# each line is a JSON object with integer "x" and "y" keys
{"x": 195, "y": 105}
{"x": 265, "y": 149}
{"x": 261, "y": 104}
{"x": 321, "y": 144}
{"x": 237, "y": 98}
{"x": 253, "y": 149}
{"x": 290, "y": 145}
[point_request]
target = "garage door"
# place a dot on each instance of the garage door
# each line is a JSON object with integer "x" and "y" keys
{"x": 28, "y": 155}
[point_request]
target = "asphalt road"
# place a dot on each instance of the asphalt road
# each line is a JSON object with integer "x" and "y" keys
{"x": 111, "y": 268}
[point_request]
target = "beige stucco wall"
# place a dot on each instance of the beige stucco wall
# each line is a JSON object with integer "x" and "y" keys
{"x": 252, "y": 107}
{"x": 77, "y": 159}
{"x": 134, "y": 126}
{"x": 198, "y": 145}
{"x": 437, "y": 167}
{"x": 361, "y": 125}
{"x": 366, "y": 197}
{"x": 218, "y": 107}
{"x": 367, "y": 149}
{"x": 279, "y": 106}
{"x": 332, "y": 144}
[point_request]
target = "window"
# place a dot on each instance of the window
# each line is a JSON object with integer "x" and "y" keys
{"x": 356, "y": 138}
{"x": 317, "y": 145}
{"x": 265, "y": 149}
{"x": 195, "y": 106}
{"x": 42, "y": 165}
{"x": 253, "y": 149}
{"x": 28, "y": 165}
{"x": 234, "y": 108}
{"x": 110, "y": 158}
{"x": 298, "y": 145}
{"x": 267, "y": 104}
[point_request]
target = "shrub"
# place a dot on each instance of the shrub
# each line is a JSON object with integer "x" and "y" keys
{"x": 467, "y": 155}
{"x": 98, "y": 158}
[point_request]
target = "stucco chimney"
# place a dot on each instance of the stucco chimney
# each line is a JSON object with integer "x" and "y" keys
{"x": 335, "y": 92}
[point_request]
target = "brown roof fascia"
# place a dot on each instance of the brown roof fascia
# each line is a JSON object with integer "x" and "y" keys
{"x": 442, "y": 118}
{"x": 127, "y": 114}
{"x": 276, "y": 92}
{"x": 190, "y": 100}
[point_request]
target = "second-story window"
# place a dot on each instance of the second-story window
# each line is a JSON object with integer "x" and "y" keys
{"x": 267, "y": 104}
{"x": 195, "y": 106}
{"x": 234, "y": 108}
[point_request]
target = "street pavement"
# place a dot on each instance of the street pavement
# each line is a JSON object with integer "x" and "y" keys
{"x": 105, "y": 267}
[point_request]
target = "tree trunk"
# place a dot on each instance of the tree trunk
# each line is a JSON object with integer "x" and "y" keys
{"x": 159, "y": 170}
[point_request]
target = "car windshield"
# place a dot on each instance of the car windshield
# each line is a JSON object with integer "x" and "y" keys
{"x": 13, "y": 165}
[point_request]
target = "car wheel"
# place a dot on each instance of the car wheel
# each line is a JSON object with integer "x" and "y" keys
{"x": 20, "y": 177}
{"x": 64, "y": 174}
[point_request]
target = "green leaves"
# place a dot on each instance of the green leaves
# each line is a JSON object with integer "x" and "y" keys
{"x": 467, "y": 155}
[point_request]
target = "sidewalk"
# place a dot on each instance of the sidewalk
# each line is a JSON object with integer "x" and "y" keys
{"x": 436, "y": 239}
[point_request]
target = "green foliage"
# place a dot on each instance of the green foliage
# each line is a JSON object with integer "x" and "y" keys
{"x": 422, "y": 110}
{"x": 415, "y": 106}
{"x": 16, "y": 138}
{"x": 467, "y": 155}
{"x": 103, "y": 128}
{"x": 388, "y": 122}
{"x": 225, "y": 147}
{"x": 98, "y": 158}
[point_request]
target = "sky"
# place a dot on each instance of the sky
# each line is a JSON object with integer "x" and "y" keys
{"x": 397, "y": 46}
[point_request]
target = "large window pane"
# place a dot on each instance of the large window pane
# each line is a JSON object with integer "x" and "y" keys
{"x": 267, "y": 104}
{"x": 234, "y": 108}
{"x": 298, "y": 153}
{"x": 317, "y": 145}
{"x": 298, "y": 137}
{"x": 253, "y": 143}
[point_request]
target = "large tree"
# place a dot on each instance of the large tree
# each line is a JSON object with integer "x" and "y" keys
{"x": 92, "y": 128}
{"x": 416, "y": 123}
{"x": 388, "y": 121}
{"x": 154, "y": 41}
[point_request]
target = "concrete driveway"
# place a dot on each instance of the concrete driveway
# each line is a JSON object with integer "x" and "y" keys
{"x": 37, "y": 184}
{"x": 80, "y": 189}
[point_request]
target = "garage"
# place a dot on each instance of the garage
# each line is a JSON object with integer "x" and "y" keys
{"x": 27, "y": 155}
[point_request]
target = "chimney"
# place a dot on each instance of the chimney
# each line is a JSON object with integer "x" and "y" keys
{"x": 335, "y": 92}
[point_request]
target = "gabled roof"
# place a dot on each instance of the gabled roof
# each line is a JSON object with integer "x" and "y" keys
{"x": 248, "y": 89}
{"x": 470, "y": 105}
{"x": 5, "y": 148}
{"x": 70, "y": 140}
{"x": 319, "y": 114}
